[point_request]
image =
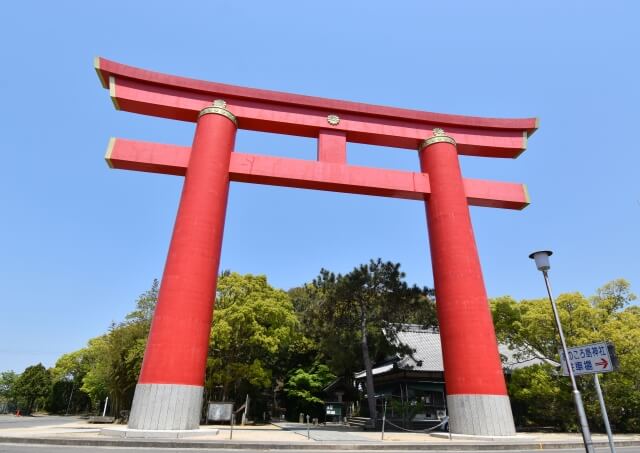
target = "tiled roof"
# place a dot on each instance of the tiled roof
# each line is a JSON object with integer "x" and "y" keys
{"x": 428, "y": 349}
{"x": 428, "y": 353}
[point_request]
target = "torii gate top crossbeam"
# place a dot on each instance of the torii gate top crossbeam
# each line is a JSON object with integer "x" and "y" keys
{"x": 332, "y": 122}
{"x": 156, "y": 94}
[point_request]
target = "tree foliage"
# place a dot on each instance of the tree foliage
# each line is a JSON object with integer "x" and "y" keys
{"x": 7, "y": 390}
{"x": 264, "y": 340}
{"x": 304, "y": 388}
{"x": 539, "y": 394}
{"x": 67, "y": 379}
{"x": 346, "y": 316}
{"x": 254, "y": 327}
{"x": 7, "y": 382}
{"x": 110, "y": 364}
{"x": 32, "y": 386}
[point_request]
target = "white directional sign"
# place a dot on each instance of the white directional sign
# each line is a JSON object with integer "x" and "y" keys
{"x": 590, "y": 358}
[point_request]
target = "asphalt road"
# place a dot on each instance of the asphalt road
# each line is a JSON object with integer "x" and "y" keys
{"x": 11, "y": 421}
{"x": 10, "y": 448}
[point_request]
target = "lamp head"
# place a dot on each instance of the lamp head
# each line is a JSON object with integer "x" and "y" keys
{"x": 542, "y": 259}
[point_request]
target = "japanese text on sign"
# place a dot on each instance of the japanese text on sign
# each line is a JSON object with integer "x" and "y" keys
{"x": 589, "y": 359}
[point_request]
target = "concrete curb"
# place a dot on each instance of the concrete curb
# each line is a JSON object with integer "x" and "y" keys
{"x": 458, "y": 446}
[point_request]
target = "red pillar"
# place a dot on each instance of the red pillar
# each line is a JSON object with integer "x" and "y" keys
{"x": 169, "y": 390}
{"x": 476, "y": 393}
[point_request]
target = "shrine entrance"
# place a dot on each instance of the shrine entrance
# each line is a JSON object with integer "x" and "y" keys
{"x": 169, "y": 392}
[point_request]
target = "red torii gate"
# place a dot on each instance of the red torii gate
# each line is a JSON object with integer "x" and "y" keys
{"x": 169, "y": 392}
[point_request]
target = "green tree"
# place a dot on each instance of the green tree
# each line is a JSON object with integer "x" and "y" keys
{"x": 116, "y": 359}
{"x": 110, "y": 364}
{"x": 67, "y": 377}
{"x": 539, "y": 394}
{"x": 304, "y": 388}
{"x": 145, "y": 306}
{"x": 613, "y": 296}
{"x": 621, "y": 326}
{"x": 541, "y": 397}
{"x": 7, "y": 389}
{"x": 32, "y": 387}
{"x": 95, "y": 382}
{"x": 254, "y": 326}
{"x": 348, "y": 313}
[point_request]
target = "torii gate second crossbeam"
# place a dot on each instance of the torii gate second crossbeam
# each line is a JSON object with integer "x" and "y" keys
{"x": 169, "y": 392}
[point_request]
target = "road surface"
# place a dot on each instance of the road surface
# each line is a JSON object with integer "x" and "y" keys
{"x": 10, "y": 448}
{"x": 11, "y": 421}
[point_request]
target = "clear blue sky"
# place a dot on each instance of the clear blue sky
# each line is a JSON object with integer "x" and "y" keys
{"x": 79, "y": 242}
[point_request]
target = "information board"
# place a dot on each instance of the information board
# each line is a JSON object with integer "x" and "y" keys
{"x": 219, "y": 412}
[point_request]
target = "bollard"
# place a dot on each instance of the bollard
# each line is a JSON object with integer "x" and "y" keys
{"x": 308, "y": 428}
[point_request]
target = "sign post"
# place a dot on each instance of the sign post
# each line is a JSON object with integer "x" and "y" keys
{"x": 603, "y": 409}
{"x": 593, "y": 359}
{"x": 542, "y": 263}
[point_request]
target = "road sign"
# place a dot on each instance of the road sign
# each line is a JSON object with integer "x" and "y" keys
{"x": 590, "y": 359}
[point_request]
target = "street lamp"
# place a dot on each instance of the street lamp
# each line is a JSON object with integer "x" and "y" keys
{"x": 542, "y": 263}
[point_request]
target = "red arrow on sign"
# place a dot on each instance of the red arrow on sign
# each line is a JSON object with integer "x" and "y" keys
{"x": 603, "y": 363}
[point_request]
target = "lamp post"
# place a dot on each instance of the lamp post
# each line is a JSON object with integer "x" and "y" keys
{"x": 542, "y": 263}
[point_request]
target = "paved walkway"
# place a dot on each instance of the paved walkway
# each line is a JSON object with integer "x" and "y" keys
{"x": 72, "y": 431}
{"x": 326, "y": 433}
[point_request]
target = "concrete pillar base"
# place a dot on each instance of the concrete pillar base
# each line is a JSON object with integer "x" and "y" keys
{"x": 166, "y": 407}
{"x": 480, "y": 415}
